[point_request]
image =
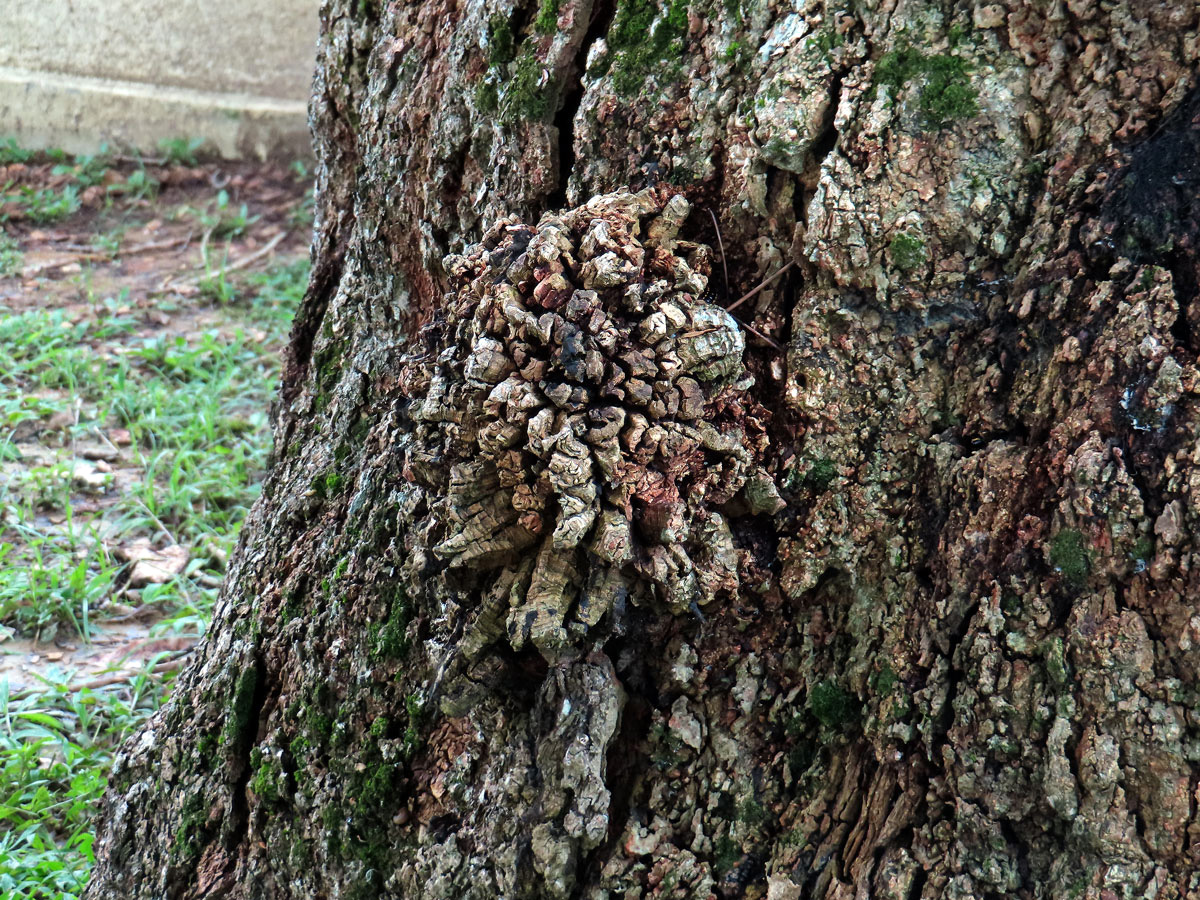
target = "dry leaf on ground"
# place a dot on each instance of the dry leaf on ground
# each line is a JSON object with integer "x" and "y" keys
{"x": 151, "y": 566}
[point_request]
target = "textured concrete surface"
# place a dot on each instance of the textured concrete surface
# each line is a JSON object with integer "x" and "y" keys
{"x": 77, "y": 73}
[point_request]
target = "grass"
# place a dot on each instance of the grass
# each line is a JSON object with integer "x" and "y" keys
{"x": 85, "y": 171}
{"x": 179, "y": 394}
{"x": 216, "y": 284}
{"x": 10, "y": 255}
{"x": 222, "y": 218}
{"x": 194, "y": 408}
{"x": 56, "y": 747}
{"x": 181, "y": 151}
{"x": 62, "y": 588}
{"x": 44, "y": 205}
{"x": 10, "y": 152}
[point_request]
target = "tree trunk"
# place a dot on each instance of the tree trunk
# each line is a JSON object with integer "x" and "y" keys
{"x": 567, "y": 583}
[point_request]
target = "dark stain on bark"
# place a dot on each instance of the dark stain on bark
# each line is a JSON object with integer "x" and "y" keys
{"x": 1153, "y": 208}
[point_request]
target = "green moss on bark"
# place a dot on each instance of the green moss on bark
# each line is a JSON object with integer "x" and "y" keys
{"x": 821, "y": 474}
{"x": 389, "y": 640}
{"x": 501, "y": 43}
{"x": 907, "y": 251}
{"x": 268, "y": 775}
{"x": 1070, "y": 556}
{"x": 547, "y": 17}
{"x": 241, "y": 709}
{"x": 526, "y": 96}
{"x": 641, "y": 38}
{"x": 943, "y": 84}
{"x": 833, "y": 707}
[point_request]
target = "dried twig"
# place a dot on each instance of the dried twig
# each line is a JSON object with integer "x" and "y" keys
{"x": 240, "y": 264}
{"x": 139, "y": 160}
{"x": 97, "y": 256}
{"x": 34, "y": 271}
{"x": 157, "y": 245}
{"x": 721, "y": 244}
{"x": 204, "y": 244}
{"x": 754, "y": 331}
{"x": 174, "y": 662}
{"x": 766, "y": 281}
{"x": 257, "y": 254}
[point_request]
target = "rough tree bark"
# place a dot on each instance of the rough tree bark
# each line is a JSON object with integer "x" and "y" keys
{"x": 567, "y": 583}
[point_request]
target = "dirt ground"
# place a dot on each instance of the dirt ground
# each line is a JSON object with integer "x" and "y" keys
{"x": 143, "y": 247}
{"x": 134, "y": 271}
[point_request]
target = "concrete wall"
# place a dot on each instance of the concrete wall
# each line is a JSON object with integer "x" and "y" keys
{"x": 77, "y": 73}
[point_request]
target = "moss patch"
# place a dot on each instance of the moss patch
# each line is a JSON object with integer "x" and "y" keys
{"x": 241, "y": 709}
{"x": 821, "y": 474}
{"x": 547, "y": 17}
{"x": 1070, "y": 556}
{"x": 267, "y": 776}
{"x": 390, "y": 640}
{"x": 316, "y": 727}
{"x": 501, "y": 43}
{"x": 884, "y": 680}
{"x": 191, "y": 835}
{"x": 412, "y": 732}
{"x": 907, "y": 252}
{"x": 751, "y": 813}
{"x": 638, "y": 43}
{"x": 826, "y": 40}
{"x": 727, "y": 855}
{"x": 944, "y": 93}
{"x": 487, "y": 96}
{"x": 327, "y": 485}
{"x": 1143, "y": 550}
{"x": 833, "y": 707}
{"x": 1055, "y": 657}
{"x": 801, "y": 756}
{"x": 525, "y": 97}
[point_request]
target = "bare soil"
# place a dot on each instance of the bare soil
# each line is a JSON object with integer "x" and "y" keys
{"x": 170, "y": 257}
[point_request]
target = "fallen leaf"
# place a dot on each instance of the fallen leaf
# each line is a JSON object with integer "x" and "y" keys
{"x": 86, "y": 477}
{"x": 152, "y": 566}
{"x": 120, "y": 610}
{"x": 59, "y": 421}
{"x": 98, "y": 452}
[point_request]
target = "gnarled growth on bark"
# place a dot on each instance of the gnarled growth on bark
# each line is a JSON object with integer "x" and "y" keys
{"x": 575, "y": 425}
